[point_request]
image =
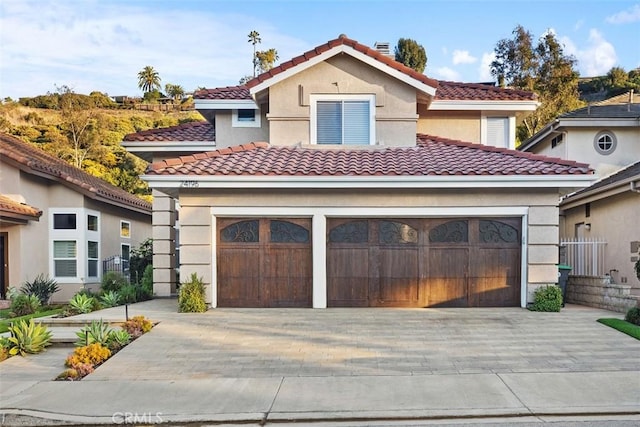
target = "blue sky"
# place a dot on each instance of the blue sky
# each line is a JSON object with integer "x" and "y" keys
{"x": 102, "y": 44}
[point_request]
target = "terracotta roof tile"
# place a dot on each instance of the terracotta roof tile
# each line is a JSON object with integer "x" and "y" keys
{"x": 457, "y": 91}
{"x": 431, "y": 156}
{"x": 34, "y": 160}
{"x": 227, "y": 93}
{"x": 12, "y": 208}
{"x": 194, "y": 131}
{"x": 346, "y": 42}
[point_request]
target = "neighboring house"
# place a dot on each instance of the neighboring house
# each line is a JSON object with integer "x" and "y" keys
{"x": 608, "y": 210}
{"x": 59, "y": 221}
{"x": 353, "y": 201}
{"x": 606, "y": 135}
{"x": 599, "y": 225}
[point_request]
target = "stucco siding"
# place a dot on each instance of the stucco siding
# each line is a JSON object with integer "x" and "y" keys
{"x": 227, "y": 135}
{"x": 462, "y": 125}
{"x": 580, "y": 146}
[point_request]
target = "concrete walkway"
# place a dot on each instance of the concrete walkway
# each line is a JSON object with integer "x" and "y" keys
{"x": 340, "y": 365}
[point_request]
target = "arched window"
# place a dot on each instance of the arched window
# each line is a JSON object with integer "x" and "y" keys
{"x": 605, "y": 142}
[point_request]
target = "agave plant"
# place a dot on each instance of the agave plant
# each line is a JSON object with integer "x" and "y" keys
{"x": 81, "y": 303}
{"x": 27, "y": 337}
{"x": 110, "y": 299}
{"x": 117, "y": 339}
{"x": 96, "y": 332}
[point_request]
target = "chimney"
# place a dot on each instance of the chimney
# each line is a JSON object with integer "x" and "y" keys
{"x": 384, "y": 48}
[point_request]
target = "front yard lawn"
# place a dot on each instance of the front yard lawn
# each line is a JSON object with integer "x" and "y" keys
{"x": 622, "y": 326}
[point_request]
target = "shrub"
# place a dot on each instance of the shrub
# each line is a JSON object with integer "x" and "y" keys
{"x": 96, "y": 332}
{"x": 22, "y": 304}
{"x": 42, "y": 287}
{"x": 128, "y": 293}
{"x": 547, "y": 298}
{"x": 137, "y": 325}
{"x": 141, "y": 257}
{"x": 28, "y": 337}
{"x": 5, "y": 345}
{"x": 113, "y": 281}
{"x": 110, "y": 299}
{"x": 92, "y": 354}
{"x": 191, "y": 296}
{"x": 68, "y": 374}
{"x": 118, "y": 339}
{"x": 633, "y": 316}
{"x": 82, "y": 303}
{"x": 147, "y": 282}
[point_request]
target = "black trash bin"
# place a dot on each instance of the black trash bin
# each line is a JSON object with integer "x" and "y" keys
{"x": 563, "y": 278}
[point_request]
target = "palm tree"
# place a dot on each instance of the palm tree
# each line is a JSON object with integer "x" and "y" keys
{"x": 148, "y": 79}
{"x": 176, "y": 92}
{"x": 254, "y": 39}
{"x": 266, "y": 59}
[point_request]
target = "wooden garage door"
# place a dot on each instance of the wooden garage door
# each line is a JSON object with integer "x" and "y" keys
{"x": 461, "y": 262}
{"x": 264, "y": 262}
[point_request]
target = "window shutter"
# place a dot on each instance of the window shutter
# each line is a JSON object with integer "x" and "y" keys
{"x": 329, "y": 122}
{"x": 497, "y": 131}
{"x": 356, "y": 122}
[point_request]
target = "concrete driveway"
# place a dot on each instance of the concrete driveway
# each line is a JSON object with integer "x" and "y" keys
{"x": 250, "y": 343}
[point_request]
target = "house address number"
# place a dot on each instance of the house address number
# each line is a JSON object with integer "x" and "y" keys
{"x": 190, "y": 184}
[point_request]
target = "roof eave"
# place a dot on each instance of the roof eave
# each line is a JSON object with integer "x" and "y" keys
{"x": 485, "y": 105}
{"x": 225, "y": 104}
{"x": 587, "y": 196}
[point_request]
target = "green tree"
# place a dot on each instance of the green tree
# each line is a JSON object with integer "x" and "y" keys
{"x": 544, "y": 69}
{"x": 176, "y": 92}
{"x": 148, "y": 79}
{"x": 254, "y": 39}
{"x": 411, "y": 54}
{"x": 618, "y": 77}
{"x": 78, "y": 123}
{"x": 266, "y": 59}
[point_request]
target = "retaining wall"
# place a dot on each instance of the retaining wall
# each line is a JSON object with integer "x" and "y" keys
{"x": 599, "y": 292}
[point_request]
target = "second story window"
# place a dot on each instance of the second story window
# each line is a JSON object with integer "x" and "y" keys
{"x": 343, "y": 119}
{"x": 125, "y": 229}
{"x": 244, "y": 118}
{"x": 605, "y": 142}
{"x": 64, "y": 221}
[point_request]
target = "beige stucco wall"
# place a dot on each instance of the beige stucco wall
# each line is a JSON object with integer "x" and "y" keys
{"x": 542, "y": 227}
{"x": 462, "y": 125}
{"x": 614, "y": 219}
{"x": 289, "y": 101}
{"x": 30, "y": 246}
{"x": 578, "y": 145}
{"x": 228, "y": 135}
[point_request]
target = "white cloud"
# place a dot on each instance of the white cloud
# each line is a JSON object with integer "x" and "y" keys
{"x": 463, "y": 57}
{"x": 101, "y": 46}
{"x": 447, "y": 73}
{"x": 626, "y": 16}
{"x": 485, "y": 67}
{"x": 596, "y": 58}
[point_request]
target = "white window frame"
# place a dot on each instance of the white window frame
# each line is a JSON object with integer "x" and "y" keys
{"x": 81, "y": 235}
{"x": 129, "y": 251}
{"x": 54, "y": 259}
{"x": 313, "y": 119}
{"x": 255, "y": 123}
{"x": 599, "y": 136}
{"x": 511, "y": 128}
{"x": 122, "y": 222}
{"x": 96, "y": 259}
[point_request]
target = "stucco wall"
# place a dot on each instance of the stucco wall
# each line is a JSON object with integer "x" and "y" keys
{"x": 289, "y": 101}
{"x": 462, "y": 125}
{"x": 542, "y": 227}
{"x": 227, "y": 135}
{"x": 614, "y": 219}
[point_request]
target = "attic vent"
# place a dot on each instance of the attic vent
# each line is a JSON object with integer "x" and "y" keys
{"x": 383, "y": 48}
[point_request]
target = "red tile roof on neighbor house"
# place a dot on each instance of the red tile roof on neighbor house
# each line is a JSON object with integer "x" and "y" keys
{"x": 225, "y": 93}
{"x": 456, "y": 91}
{"x": 37, "y": 162}
{"x": 342, "y": 40}
{"x": 12, "y": 209}
{"x": 431, "y": 156}
{"x": 194, "y": 131}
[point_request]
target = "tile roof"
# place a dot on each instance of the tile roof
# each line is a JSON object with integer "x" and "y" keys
{"x": 194, "y": 131}
{"x": 450, "y": 91}
{"x": 225, "y": 93}
{"x": 35, "y": 161}
{"x": 629, "y": 172}
{"x": 431, "y": 156}
{"x": 614, "y": 111}
{"x": 13, "y": 209}
{"x": 342, "y": 40}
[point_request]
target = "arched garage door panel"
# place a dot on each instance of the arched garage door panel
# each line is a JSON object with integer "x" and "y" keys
{"x": 264, "y": 262}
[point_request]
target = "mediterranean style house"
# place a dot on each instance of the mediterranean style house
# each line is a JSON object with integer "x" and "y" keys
{"x": 59, "y": 221}
{"x": 344, "y": 178}
{"x": 607, "y": 136}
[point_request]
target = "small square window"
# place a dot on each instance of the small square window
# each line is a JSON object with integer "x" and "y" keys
{"x": 64, "y": 221}
{"x": 556, "y": 141}
{"x": 92, "y": 223}
{"x": 125, "y": 229}
{"x": 246, "y": 117}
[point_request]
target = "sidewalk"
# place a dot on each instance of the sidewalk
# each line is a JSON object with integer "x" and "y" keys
{"x": 189, "y": 394}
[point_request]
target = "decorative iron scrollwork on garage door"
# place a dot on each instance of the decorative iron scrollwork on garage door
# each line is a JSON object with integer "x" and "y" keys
{"x": 288, "y": 232}
{"x": 497, "y": 232}
{"x": 392, "y": 232}
{"x": 241, "y": 232}
{"x": 450, "y": 232}
{"x": 350, "y": 232}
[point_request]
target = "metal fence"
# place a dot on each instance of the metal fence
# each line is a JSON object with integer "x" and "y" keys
{"x": 116, "y": 264}
{"x": 586, "y": 257}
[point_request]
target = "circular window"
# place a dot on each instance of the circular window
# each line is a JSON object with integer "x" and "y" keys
{"x": 605, "y": 142}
